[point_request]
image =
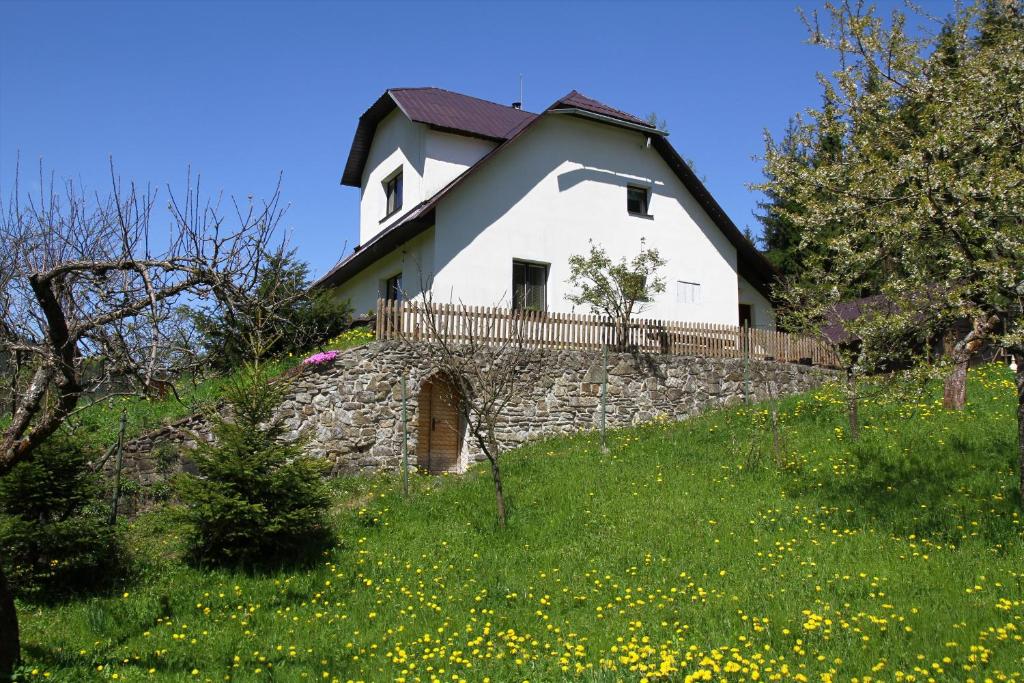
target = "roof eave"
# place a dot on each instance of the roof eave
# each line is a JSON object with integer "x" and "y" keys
{"x": 359, "y": 152}
{"x": 462, "y": 133}
{"x": 604, "y": 118}
{"x": 420, "y": 218}
{"x": 751, "y": 264}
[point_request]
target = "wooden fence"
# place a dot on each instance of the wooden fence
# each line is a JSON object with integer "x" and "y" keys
{"x": 543, "y": 330}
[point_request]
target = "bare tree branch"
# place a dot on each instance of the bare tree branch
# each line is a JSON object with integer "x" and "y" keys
{"x": 89, "y": 291}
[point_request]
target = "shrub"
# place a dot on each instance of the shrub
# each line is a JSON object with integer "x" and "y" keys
{"x": 322, "y": 358}
{"x": 54, "y": 535}
{"x": 283, "y": 311}
{"x": 255, "y": 499}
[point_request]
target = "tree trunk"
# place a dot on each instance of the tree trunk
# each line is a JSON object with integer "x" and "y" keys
{"x": 499, "y": 493}
{"x": 1019, "y": 357}
{"x": 851, "y": 404}
{"x": 954, "y": 394}
{"x": 32, "y": 424}
{"x": 10, "y": 643}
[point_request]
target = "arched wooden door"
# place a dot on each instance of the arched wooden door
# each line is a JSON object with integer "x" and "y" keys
{"x": 438, "y": 434}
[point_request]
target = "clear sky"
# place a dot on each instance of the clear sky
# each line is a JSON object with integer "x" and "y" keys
{"x": 242, "y": 91}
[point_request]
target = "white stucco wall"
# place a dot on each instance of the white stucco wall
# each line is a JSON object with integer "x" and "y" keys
{"x": 562, "y": 182}
{"x": 397, "y": 142}
{"x": 762, "y": 311}
{"x": 429, "y": 160}
{"x": 411, "y": 259}
{"x": 447, "y": 155}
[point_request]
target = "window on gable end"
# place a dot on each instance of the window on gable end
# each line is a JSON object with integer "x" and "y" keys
{"x": 529, "y": 286}
{"x": 637, "y": 200}
{"x": 687, "y": 292}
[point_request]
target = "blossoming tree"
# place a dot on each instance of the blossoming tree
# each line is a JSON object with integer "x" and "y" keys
{"x": 928, "y": 186}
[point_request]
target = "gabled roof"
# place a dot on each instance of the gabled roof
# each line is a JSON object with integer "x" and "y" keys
{"x": 751, "y": 263}
{"x": 441, "y": 109}
{"x": 580, "y": 101}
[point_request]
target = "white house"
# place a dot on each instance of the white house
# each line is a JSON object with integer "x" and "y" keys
{"x": 485, "y": 203}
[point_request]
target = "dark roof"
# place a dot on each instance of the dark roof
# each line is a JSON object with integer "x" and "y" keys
{"x": 440, "y": 109}
{"x": 460, "y": 113}
{"x": 844, "y": 312}
{"x": 580, "y": 101}
{"x": 751, "y": 263}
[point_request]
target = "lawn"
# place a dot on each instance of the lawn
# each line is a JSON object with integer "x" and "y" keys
{"x": 98, "y": 424}
{"x": 691, "y": 551}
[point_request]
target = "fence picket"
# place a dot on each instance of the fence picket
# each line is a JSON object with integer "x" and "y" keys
{"x": 407, "y": 320}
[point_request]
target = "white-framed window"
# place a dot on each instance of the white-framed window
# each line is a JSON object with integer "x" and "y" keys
{"x": 638, "y": 200}
{"x": 393, "y": 193}
{"x": 529, "y": 286}
{"x": 687, "y": 292}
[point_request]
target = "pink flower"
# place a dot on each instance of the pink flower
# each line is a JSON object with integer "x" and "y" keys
{"x": 321, "y": 358}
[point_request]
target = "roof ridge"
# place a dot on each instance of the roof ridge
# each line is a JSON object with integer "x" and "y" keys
{"x": 615, "y": 111}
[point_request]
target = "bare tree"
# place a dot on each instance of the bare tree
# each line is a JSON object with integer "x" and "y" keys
{"x": 90, "y": 290}
{"x": 483, "y": 364}
{"x": 88, "y": 295}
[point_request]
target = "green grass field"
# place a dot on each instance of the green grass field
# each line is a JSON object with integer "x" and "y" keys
{"x": 98, "y": 425}
{"x": 691, "y": 551}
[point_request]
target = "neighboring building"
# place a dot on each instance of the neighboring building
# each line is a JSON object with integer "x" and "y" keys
{"x": 485, "y": 203}
{"x": 936, "y": 346}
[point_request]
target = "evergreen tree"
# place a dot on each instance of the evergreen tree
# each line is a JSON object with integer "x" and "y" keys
{"x": 256, "y": 499}
{"x": 781, "y": 234}
{"x": 54, "y": 535}
{"x": 279, "y": 316}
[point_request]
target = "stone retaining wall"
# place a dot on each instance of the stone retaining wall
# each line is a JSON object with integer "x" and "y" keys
{"x": 350, "y": 411}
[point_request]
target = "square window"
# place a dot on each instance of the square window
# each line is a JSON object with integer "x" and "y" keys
{"x": 529, "y": 286}
{"x": 393, "y": 194}
{"x": 637, "y": 200}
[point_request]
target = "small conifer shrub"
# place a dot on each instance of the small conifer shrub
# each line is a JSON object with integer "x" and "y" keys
{"x": 255, "y": 499}
{"x": 55, "y": 538}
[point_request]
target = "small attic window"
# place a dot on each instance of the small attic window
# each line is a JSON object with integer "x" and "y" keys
{"x": 637, "y": 199}
{"x": 393, "y": 193}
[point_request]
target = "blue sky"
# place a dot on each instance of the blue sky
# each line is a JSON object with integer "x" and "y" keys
{"x": 243, "y": 91}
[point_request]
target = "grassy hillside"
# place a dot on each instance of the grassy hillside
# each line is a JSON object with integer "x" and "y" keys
{"x": 689, "y": 552}
{"x": 99, "y": 424}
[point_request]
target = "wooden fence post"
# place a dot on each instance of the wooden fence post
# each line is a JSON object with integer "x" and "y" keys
{"x": 405, "y": 438}
{"x": 118, "y": 464}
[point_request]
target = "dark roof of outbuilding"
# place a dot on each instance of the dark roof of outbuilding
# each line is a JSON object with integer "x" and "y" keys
{"x": 751, "y": 263}
{"x": 440, "y": 109}
{"x": 844, "y": 312}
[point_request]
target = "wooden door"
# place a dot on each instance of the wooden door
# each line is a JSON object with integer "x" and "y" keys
{"x": 438, "y": 434}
